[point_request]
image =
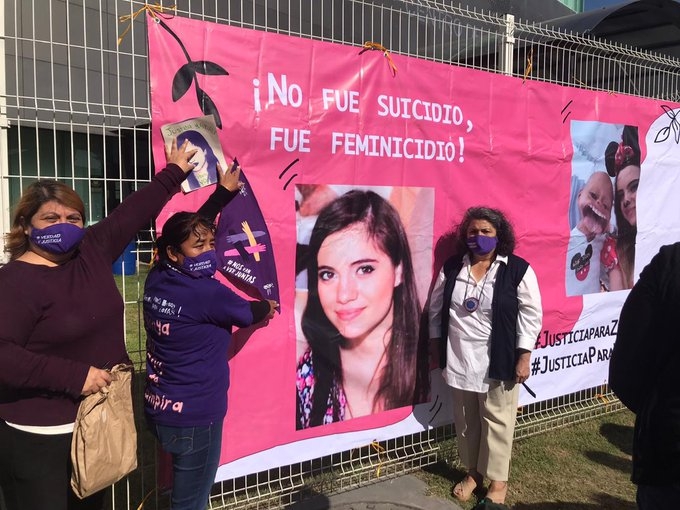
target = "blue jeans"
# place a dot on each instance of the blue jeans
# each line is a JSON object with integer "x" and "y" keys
{"x": 658, "y": 497}
{"x": 195, "y": 457}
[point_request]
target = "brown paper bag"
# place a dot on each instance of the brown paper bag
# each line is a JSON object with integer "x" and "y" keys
{"x": 104, "y": 446}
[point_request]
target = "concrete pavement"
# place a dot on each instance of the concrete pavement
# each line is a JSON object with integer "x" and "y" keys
{"x": 403, "y": 493}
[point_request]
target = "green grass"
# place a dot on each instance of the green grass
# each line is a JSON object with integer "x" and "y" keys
{"x": 131, "y": 287}
{"x": 585, "y": 466}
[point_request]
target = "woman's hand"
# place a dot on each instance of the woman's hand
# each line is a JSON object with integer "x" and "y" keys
{"x": 230, "y": 178}
{"x": 522, "y": 368}
{"x": 273, "y": 305}
{"x": 180, "y": 156}
{"x": 95, "y": 381}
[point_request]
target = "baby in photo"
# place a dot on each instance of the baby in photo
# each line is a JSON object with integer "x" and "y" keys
{"x": 594, "y": 204}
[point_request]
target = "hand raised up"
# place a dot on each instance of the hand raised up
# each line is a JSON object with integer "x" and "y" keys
{"x": 180, "y": 156}
{"x": 230, "y": 178}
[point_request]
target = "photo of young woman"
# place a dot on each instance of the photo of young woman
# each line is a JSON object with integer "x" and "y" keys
{"x": 361, "y": 315}
{"x": 205, "y": 161}
{"x": 622, "y": 160}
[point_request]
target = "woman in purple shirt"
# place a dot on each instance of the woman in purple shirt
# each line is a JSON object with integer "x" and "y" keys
{"x": 189, "y": 317}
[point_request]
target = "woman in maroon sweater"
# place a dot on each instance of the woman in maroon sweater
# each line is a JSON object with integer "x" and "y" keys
{"x": 61, "y": 327}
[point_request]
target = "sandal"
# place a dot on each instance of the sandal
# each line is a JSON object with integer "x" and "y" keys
{"x": 495, "y": 494}
{"x": 464, "y": 489}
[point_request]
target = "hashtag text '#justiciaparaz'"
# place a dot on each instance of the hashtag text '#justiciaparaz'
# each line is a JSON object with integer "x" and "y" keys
{"x": 548, "y": 339}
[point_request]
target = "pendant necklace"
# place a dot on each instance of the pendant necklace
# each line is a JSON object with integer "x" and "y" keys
{"x": 471, "y": 304}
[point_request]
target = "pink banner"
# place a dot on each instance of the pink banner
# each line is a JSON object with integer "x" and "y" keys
{"x": 310, "y": 121}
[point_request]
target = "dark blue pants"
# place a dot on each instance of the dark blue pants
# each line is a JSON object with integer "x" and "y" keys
{"x": 195, "y": 457}
{"x": 661, "y": 497}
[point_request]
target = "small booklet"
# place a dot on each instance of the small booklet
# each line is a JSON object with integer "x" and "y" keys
{"x": 201, "y": 132}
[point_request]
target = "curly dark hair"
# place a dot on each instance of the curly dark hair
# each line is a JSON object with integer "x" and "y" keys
{"x": 504, "y": 231}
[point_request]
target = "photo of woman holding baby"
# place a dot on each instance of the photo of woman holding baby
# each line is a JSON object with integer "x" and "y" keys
{"x": 362, "y": 313}
{"x": 602, "y": 212}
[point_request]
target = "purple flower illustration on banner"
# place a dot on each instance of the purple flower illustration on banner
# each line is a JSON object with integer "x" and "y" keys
{"x": 243, "y": 244}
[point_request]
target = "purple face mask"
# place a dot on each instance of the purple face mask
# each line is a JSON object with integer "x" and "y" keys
{"x": 481, "y": 245}
{"x": 203, "y": 266}
{"x": 59, "y": 238}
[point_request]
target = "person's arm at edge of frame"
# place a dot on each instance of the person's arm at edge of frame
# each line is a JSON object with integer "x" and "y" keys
{"x": 136, "y": 211}
{"x": 529, "y": 321}
{"x": 629, "y": 366}
{"x": 226, "y": 190}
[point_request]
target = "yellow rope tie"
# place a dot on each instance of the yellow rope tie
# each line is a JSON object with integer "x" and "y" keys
{"x": 154, "y": 256}
{"x": 148, "y": 495}
{"x": 530, "y": 65}
{"x": 154, "y": 10}
{"x": 380, "y": 450}
{"x": 602, "y": 397}
{"x": 369, "y": 45}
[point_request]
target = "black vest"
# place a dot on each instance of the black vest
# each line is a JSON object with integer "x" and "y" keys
{"x": 504, "y": 311}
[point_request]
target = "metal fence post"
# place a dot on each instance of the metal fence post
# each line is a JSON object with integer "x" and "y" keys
{"x": 507, "y": 46}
